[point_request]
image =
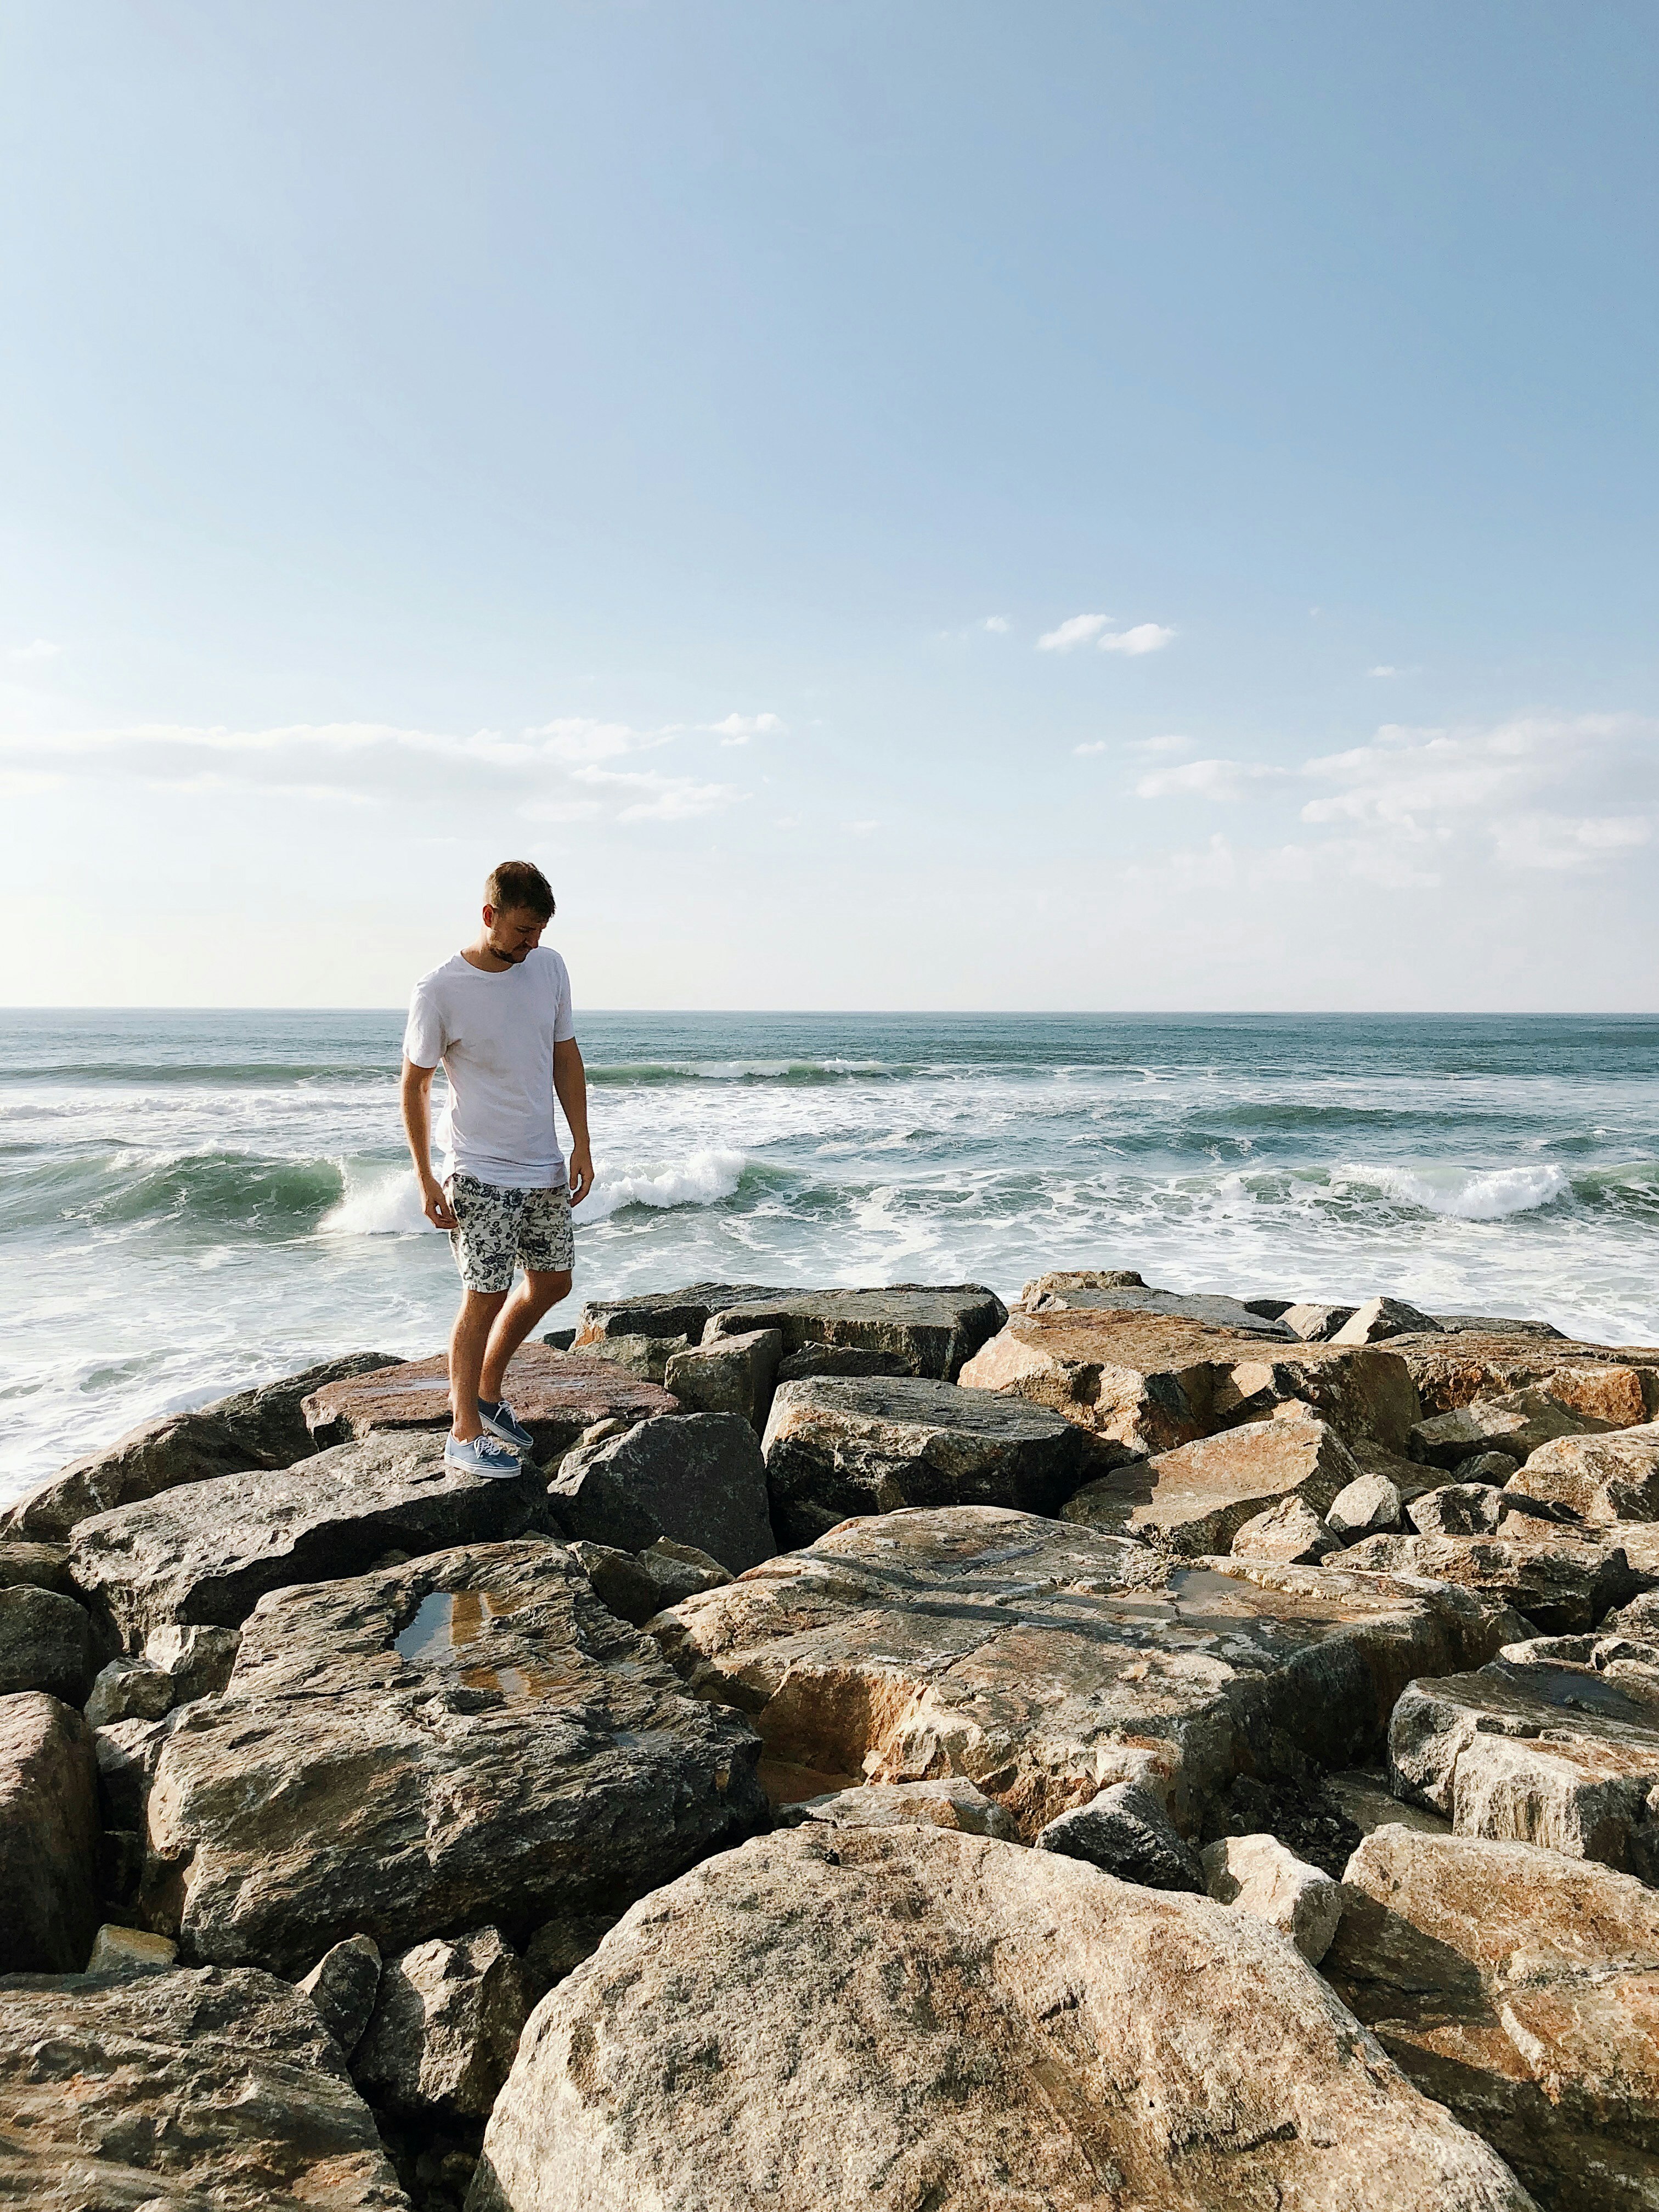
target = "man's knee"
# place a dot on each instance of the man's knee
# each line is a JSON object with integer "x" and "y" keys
{"x": 547, "y": 1287}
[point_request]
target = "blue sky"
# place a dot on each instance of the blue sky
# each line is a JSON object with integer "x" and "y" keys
{"x": 932, "y": 505}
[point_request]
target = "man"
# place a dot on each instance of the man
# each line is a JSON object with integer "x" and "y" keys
{"x": 498, "y": 1016}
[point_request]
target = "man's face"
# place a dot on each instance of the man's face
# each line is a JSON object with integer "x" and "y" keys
{"x": 513, "y": 931}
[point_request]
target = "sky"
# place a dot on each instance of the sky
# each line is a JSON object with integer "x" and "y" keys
{"x": 930, "y": 504}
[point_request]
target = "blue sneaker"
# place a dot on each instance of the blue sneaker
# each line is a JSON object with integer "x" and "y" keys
{"x": 483, "y": 1456}
{"x": 500, "y": 1419}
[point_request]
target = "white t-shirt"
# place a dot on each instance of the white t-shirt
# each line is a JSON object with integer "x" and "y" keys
{"x": 495, "y": 1036}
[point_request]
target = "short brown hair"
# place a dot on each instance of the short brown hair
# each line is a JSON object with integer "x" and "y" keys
{"x": 520, "y": 887}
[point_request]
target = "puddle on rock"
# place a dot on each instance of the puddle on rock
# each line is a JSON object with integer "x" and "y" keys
{"x": 448, "y": 1621}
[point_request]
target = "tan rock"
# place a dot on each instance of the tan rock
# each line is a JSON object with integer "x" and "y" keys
{"x": 951, "y": 1803}
{"x": 1563, "y": 1579}
{"x": 1618, "y": 1384}
{"x": 1368, "y": 1506}
{"x": 1110, "y": 1292}
{"x": 1521, "y": 1990}
{"x": 1378, "y": 1319}
{"x": 1256, "y": 1873}
{"x": 908, "y": 2017}
{"x": 1291, "y": 1533}
{"x": 663, "y": 1313}
{"x": 1363, "y": 1795}
{"x": 131, "y": 1951}
{"x": 48, "y": 1836}
{"x": 1196, "y": 1498}
{"x": 444, "y": 2026}
{"x": 1517, "y": 1424}
{"x": 556, "y": 1395}
{"x": 1603, "y": 1477}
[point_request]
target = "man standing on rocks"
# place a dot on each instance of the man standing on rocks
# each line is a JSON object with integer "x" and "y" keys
{"x": 497, "y": 1014}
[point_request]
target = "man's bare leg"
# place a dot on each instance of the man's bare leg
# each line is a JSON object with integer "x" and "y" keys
{"x": 533, "y": 1296}
{"x": 467, "y": 1341}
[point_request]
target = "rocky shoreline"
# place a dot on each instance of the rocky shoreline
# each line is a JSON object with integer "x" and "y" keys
{"x": 1133, "y": 1749}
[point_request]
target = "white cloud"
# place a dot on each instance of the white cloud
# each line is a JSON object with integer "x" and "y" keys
{"x": 997, "y": 624}
{"x": 577, "y": 738}
{"x": 738, "y": 729}
{"x": 1083, "y": 629}
{"x": 1145, "y": 637}
{"x": 1077, "y": 630}
{"x": 1223, "y": 779}
{"x": 41, "y": 649}
{"x": 663, "y": 798}
{"x": 1562, "y": 843}
{"x": 1383, "y": 669}
{"x": 1098, "y": 745}
{"x": 1164, "y": 745}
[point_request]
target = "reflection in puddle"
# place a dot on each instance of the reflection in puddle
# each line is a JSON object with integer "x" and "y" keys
{"x": 448, "y": 1621}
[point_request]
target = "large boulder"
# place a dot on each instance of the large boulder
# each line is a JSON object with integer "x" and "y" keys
{"x": 1518, "y": 1989}
{"x": 933, "y": 1328}
{"x": 43, "y": 1566}
{"x": 1553, "y": 1751}
{"x": 1197, "y": 1498}
{"x": 259, "y": 1428}
{"x": 469, "y": 1738}
{"x": 444, "y": 2027}
{"x": 664, "y": 1313}
{"x": 46, "y": 1643}
{"x": 1602, "y": 1478}
{"x": 210, "y": 1557}
{"x": 212, "y": 2090}
{"x": 1151, "y": 1382}
{"x": 911, "y": 2017}
{"x": 1079, "y": 1289}
{"x": 1045, "y": 1661}
{"x": 1562, "y": 1578}
{"x": 554, "y": 1395}
{"x": 731, "y": 1375}
{"x": 636, "y": 1584}
{"x": 48, "y": 1837}
{"x": 1381, "y": 1318}
{"x": 835, "y": 1447}
{"x": 1256, "y": 1873}
{"x": 697, "y": 1479}
{"x": 1618, "y": 1383}
{"x": 1518, "y": 1423}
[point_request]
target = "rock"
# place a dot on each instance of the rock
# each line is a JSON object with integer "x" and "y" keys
{"x": 560, "y": 1339}
{"x": 131, "y": 1951}
{"x": 1315, "y": 1323}
{"x": 1369, "y": 1507}
{"x": 343, "y": 1986}
{"x": 1365, "y": 1799}
{"x": 664, "y": 1313}
{"x": 1542, "y": 1751}
{"x": 1562, "y": 1580}
{"x": 44, "y": 1566}
{"x": 1197, "y": 1498}
{"x": 1057, "y": 1284}
{"x": 1151, "y": 1383}
{"x": 1494, "y": 1468}
{"x": 1517, "y": 1989}
{"x": 645, "y": 1357}
{"x": 1257, "y": 1874}
{"x": 1085, "y": 1289}
{"x": 1602, "y": 1478}
{"x": 1616, "y": 1383}
{"x": 398, "y": 1755}
{"x": 697, "y": 1479}
{"x": 1268, "y": 1308}
{"x": 732, "y": 1375}
{"x": 189, "y": 2090}
{"x": 555, "y": 1396}
{"x": 444, "y": 2027}
{"x": 1497, "y": 1325}
{"x": 1517, "y": 1424}
{"x": 129, "y": 1690}
{"x": 913, "y": 2018}
{"x": 1378, "y": 1319}
{"x": 953, "y": 1803}
{"x": 838, "y": 1359}
{"x": 836, "y": 1447}
{"x": 1640, "y": 1619}
{"x": 1457, "y": 1509}
{"x": 1044, "y": 1662}
{"x": 200, "y": 1660}
{"x": 635, "y": 1585}
{"x": 933, "y": 1328}
{"x": 1291, "y": 1533}
{"x": 207, "y": 1560}
{"x": 120, "y": 1866}
{"x": 1124, "y": 1832}
{"x": 127, "y": 1752}
{"x": 48, "y": 1836}
{"x": 559, "y": 1947}
{"x": 46, "y": 1643}
{"x": 254, "y": 1429}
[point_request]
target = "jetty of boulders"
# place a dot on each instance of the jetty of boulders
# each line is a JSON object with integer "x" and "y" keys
{"x": 888, "y": 1749}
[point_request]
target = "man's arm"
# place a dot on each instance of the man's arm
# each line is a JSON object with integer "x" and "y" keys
{"x": 570, "y": 1082}
{"x": 417, "y": 1128}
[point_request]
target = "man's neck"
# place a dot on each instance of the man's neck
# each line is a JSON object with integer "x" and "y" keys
{"x": 484, "y": 955}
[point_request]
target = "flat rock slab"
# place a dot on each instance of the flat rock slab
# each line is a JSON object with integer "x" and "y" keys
{"x": 1612, "y": 1477}
{"x": 666, "y": 1313}
{"x": 1519, "y": 1423}
{"x": 1045, "y": 1661}
{"x": 262, "y": 1427}
{"x": 838, "y": 1446}
{"x": 210, "y": 1557}
{"x": 1549, "y": 1752}
{"x": 1072, "y": 1294}
{"x": 1154, "y": 1383}
{"x": 469, "y": 1739}
{"x": 211, "y": 2089}
{"x": 556, "y": 1395}
{"x": 933, "y": 1328}
{"x": 1561, "y": 1578}
{"x": 695, "y": 1479}
{"x": 1196, "y": 1498}
{"x": 1616, "y": 1383}
{"x": 1521, "y": 1990}
{"x": 49, "y": 1830}
{"x": 910, "y": 2018}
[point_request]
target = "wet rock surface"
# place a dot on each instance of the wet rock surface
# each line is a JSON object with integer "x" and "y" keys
{"x": 469, "y": 1739}
{"x": 48, "y": 1837}
{"x": 838, "y": 1447}
{"x": 556, "y": 1395}
{"x": 1196, "y": 1498}
{"x": 925, "y": 1982}
{"x": 210, "y": 2089}
{"x": 697, "y": 1479}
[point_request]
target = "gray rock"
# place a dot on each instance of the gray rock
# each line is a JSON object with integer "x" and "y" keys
{"x": 259, "y": 1428}
{"x": 1363, "y": 1796}
{"x": 206, "y": 1559}
{"x": 1059, "y": 1282}
{"x": 1517, "y": 1424}
{"x": 1291, "y": 1532}
{"x": 44, "y": 1565}
{"x": 559, "y": 1947}
{"x": 210, "y": 2091}
{"x": 131, "y": 1951}
{"x": 732, "y": 1375}
{"x": 400, "y": 1754}
{"x": 645, "y": 1357}
{"x": 46, "y": 1643}
{"x": 343, "y": 1986}
{"x": 933, "y": 1328}
{"x": 1085, "y": 1290}
{"x": 1315, "y": 1323}
{"x": 635, "y": 1585}
{"x": 695, "y": 1478}
{"x": 953, "y": 1803}
{"x": 1368, "y": 1507}
{"x": 836, "y": 1447}
{"x": 1561, "y": 1579}
{"x": 1268, "y": 1308}
{"x": 838, "y": 1359}
{"x": 200, "y": 1660}
{"x": 1258, "y": 1874}
{"x": 1456, "y": 1508}
{"x": 1378, "y": 1319}
{"x": 664, "y": 1313}
{"x": 1197, "y": 1498}
{"x": 1598, "y": 1478}
{"x": 909, "y": 2017}
{"x": 444, "y": 2027}
{"x": 1127, "y": 1833}
{"x": 1639, "y": 1619}
{"x": 128, "y": 1753}
{"x": 1494, "y": 1468}
{"x": 1496, "y": 1325}
{"x": 48, "y": 1836}
{"x": 556, "y": 1396}
{"x": 129, "y": 1690}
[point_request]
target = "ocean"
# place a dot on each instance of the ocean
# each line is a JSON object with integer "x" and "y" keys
{"x": 191, "y": 1201}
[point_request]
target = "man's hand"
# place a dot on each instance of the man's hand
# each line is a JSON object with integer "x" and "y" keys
{"x": 581, "y": 1173}
{"x": 435, "y": 1207}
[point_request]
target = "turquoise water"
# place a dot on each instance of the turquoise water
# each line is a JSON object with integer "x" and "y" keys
{"x": 192, "y": 1201}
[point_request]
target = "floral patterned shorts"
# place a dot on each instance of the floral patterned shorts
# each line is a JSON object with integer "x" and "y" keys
{"x": 499, "y": 1227}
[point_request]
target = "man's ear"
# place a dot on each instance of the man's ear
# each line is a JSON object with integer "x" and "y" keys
{"x": 489, "y": 915}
